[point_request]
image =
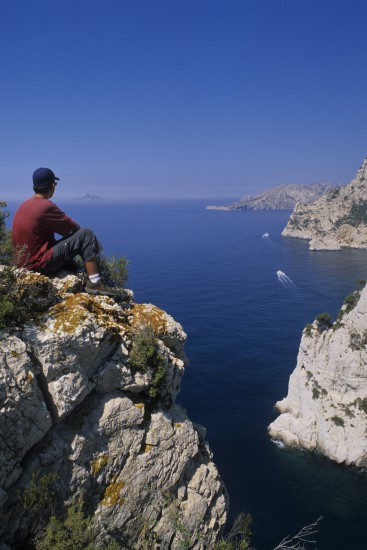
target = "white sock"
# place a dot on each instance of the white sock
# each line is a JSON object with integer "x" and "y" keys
{"x": 94, "y": 278}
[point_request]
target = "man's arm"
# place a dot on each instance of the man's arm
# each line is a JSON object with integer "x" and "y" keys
{"x": 57, "y": 221}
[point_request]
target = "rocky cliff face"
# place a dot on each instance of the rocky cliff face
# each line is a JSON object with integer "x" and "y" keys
{"x": 336, "y": 220}
{"x": 283, "y": 197}
{"x": 72, "y": 405}
{"x": 326, "y": 406}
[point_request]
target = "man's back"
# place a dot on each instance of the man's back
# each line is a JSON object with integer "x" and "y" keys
{"x": 34, "y": 225}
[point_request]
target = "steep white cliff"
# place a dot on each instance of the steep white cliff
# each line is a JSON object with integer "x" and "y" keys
{"x": 337, "y": 219}
{"x": 72, "y": 405}
{"x": 326, "y": 406}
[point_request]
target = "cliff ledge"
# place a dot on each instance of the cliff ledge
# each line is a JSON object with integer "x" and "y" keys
{"x": 72, "y": 405}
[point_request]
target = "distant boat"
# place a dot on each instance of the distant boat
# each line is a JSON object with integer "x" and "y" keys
{"x": 266, "y": 235}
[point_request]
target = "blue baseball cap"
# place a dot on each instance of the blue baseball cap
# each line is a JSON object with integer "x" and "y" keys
{"x": 43, "y": 177}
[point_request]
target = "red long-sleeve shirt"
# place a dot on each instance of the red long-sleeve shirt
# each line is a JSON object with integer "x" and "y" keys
{"x": 33, "y": 228}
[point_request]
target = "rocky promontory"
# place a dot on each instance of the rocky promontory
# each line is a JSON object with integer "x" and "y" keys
{"x": 75, "y": 409}
{"x": 326, "y": 406}
{"x": 336, "y": 220}
{"x": 283, "y": 197}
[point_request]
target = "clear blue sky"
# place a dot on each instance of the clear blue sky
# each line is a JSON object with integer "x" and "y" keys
{"x": 181, "y": 98}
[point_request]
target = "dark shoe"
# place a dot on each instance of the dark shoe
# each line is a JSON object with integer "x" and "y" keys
{"x": 102, "y": 290}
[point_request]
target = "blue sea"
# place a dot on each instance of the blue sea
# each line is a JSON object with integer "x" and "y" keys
{"x": 216, "y": 274}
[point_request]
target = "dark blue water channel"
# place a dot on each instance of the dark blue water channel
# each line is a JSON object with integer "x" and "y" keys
{"x": 216, "y": 274}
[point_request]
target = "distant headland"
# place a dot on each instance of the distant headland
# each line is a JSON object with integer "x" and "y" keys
{"x": 283, "y": 197}
{"x": 89, "y": 197}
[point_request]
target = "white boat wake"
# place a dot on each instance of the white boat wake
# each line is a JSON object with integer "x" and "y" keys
{"x": 285, "y": 280}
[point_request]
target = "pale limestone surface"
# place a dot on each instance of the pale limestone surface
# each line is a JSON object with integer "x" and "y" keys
{"x": 283, "y": 197}
{"x": 336, "y": 220}
{"x": 326, "y": 406}
{"x": 73, "y": 406}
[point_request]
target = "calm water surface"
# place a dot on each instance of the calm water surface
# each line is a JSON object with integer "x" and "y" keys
{"x": 216, "y": 274}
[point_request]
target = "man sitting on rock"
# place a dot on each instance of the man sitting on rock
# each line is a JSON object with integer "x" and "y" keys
{"x": 35, "y": 248}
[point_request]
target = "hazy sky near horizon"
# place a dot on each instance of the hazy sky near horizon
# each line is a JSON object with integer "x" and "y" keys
{"x": 181, "y": 98}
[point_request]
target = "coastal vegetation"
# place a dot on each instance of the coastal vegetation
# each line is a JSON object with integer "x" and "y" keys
{"x": 73, "y": 529}
{"x": 12, "y": 309}
{"x": 145, "y": 354}
{"x": 324, "y": 321}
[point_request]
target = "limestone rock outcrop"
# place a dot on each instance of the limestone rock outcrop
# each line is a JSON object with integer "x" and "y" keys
{"x": 74, "y": 408}
{"x": 326, "y": 406}
{"x": 336, "y": 220}
{"x": 283, "y": 197}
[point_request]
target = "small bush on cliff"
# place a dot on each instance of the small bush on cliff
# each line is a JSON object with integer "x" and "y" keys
{"x": 12, "y": 311}
{"x": 114, "y": 270}
{"x": 5, "y": 237}
{"x": 239, "y": 536}
{"x": 337, "y": 420}
{"x": 73, "y": 532}
{"x": 145, "y": 354}
{"x": 38, "y": 501}
{"x": 324, "y": 321}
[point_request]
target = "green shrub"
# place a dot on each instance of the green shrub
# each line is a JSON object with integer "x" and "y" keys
{"x": 12, "y": 310}
{"x": 70, "y": 533}
{"x": 239, "y": 536}
{"x": 351, "y": 300}
{"x": 37, "y": 499}
{"x": 114, "y": 270}
{"x": 6, "y": 251}
{"x": 363, "y": 405}
{"x": 315, "y": 393}
{"x": 324, "y": 321}
{"x": 145, "y": 354}
{"x": 337, "y": 420}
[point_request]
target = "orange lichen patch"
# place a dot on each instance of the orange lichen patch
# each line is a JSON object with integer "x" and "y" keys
{"x": 97, "y": 466}
{"x": 30, "y": 377}
{"x": 139, "y": 405}
{"x": 30, "y": 277}
{"x": 147, "y": 314}
{"x": 148, "y": 448}
{"x": 70, "y": 313}
{"x": 112, "y": 494}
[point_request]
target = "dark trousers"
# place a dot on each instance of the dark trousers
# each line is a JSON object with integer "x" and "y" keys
{"x": 82, "y": 243}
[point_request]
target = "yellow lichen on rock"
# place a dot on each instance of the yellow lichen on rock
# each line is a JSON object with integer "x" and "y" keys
{"x": 70, "y": 313}
{"x": 112, "y": 494}
{"x": 148, "y": 448}
{"x": 139, "y": 405}
{"x": 98, "y": 465}
{"x": 147, "y": 314}
{"x": 75, "y": 308}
